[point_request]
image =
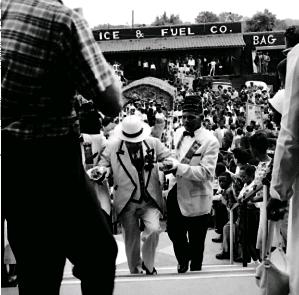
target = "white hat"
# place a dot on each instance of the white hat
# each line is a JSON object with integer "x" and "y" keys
{"x": 132, "y": 129}
{"x": 277, "y": 100}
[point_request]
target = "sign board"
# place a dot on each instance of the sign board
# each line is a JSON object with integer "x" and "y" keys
{"x": 167, "y": 31}
{"x": 254, "y": 113}
{"x": 264, "y": 39}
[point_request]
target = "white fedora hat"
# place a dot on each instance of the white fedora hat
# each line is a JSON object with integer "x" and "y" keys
{"x": 132, "y": 129}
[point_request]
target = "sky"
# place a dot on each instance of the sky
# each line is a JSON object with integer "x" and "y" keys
{"x": 119, "y": 12}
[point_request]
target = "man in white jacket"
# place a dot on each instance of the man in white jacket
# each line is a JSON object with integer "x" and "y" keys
{"x": 285, "y": 175}
{"x": 189, "y": 202}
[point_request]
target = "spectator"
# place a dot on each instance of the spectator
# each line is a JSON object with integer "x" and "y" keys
{"x": 258, "y": 146}
{"x": 247, "y": 174}
{"x": 285, "y": 183}
{"x": 212, "y": 65}
{"x": 228, "y": 199}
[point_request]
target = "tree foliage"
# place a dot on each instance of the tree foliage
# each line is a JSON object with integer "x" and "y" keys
{"x": 165, "y": 20}
{"x": 280, "y": 25}
{"x": 206, "y": 17}
{"x": 230, "y": 17}
{"x": 261, "y": 21}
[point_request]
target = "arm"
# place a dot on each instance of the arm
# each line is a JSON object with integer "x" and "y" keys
{"x": 106, "y": 156}
{"x": 101, "y": 143}
{"x": 203, "y": 171}
{"x": 89, "y": 71}
{"x": 286, "y": 160}
{"x": 161, "y": 151}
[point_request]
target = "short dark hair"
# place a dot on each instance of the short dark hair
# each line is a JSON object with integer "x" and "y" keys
{"x": 249, "y": 128}
{"x": 239, "y": 131}
{"x": 249, "y": 170}
{"x": 292, "y": 36}
{"x": 259, "y": 141}
{"x": 227, "y": 175}
{"x": 241, "y": 155}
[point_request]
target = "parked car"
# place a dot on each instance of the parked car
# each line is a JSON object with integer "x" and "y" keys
{"x": 257, "y": 84}
{"x": 224, "y": 84}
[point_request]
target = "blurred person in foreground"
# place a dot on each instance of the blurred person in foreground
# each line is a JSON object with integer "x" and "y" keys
{"x": 48, "y": 55}
{"x": 285, "y": 175}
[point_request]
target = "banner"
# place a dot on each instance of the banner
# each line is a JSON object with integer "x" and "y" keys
{"x": 167, "y": 31}
{"x": 254, "y": 113}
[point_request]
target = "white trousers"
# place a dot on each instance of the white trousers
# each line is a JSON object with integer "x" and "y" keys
{"x": 130, "y": 221}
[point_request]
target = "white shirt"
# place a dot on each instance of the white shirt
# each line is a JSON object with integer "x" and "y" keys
{"x": 153, "y": 67}
{"x": 213, "y": 64}
{"x": 185, "y": 144}
{"x": 191, "y": 62}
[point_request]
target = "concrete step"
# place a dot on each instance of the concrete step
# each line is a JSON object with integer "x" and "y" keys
{"x": 212, "y": 280}
{"x": 206, "y": 269}
{"x": 171, "y": 270}
{"x": 224, "y": 280}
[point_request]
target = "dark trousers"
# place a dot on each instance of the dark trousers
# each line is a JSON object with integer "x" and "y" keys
{"x": 220, "y": 216}
{"x": 248, "y": 231}
{"x": 187, "y": 234}
{"x": 52, "y": 214}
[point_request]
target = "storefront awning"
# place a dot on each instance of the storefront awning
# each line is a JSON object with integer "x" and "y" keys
{"x": 274, "y": 47}
{"x": 173, "y": 43}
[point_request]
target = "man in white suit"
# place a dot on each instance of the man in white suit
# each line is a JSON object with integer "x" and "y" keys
{"x": 189, "y": 202}
{"x": 132, "y": 158}
{"x": 285, "y": 175}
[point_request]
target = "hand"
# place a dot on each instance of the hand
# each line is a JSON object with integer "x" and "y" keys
{"x": 97, "y": 173}
{"x": 169, "y": 164}
{"x": 276, "y": 209}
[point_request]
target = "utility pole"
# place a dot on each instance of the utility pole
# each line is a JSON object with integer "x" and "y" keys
{"x": 132, "y": 18}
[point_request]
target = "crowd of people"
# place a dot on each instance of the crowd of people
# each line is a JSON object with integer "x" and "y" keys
{"x": 244, "y": 159}
{"x": 86, "y": 162}
{"x": 178, "y": 68}
{"x": 201, "y": 65}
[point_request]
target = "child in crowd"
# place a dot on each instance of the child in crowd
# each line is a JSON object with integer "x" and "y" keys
{"x": 228, "y": 198}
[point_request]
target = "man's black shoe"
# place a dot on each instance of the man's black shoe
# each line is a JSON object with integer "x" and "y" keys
{"x": 240, "y": 259}
{"x": 195, "y": 268}
{"x": 182, "y": 268}
{"x": 222, "y": 255}
{"x": 153, "y": 272}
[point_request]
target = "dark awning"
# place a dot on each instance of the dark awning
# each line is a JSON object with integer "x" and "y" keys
{"x": 172, "y": 43}
{"x": 273, "y": 47}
